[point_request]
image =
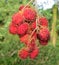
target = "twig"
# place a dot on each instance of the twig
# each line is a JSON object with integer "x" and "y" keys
{"x": 27, "y": 4}
{"x": 13, "y": 53}
{"x": 33, "y": 32}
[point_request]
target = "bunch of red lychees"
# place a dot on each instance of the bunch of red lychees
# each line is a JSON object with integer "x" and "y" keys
{"x": 29, "y": 27}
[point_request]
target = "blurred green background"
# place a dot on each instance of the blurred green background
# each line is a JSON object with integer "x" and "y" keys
{"x": 10, "y": 44}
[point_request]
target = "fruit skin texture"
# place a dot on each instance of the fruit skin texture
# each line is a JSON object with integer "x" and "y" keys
{"x": 43, "y": 42}
{"x": 24, "y": 39}
{"x": 32, "y": 45}
{"x": 22, "y": 29}
{"x": 17, "y": 18}
{"x": 33, "y": 25}
{"x": 23, "y": 53}
{"x": 34, "y": 53}
{"x": 29, "y": 14}
{"x": 13, "y": 29}
{"x": 43, "y": 21}
{"x": 44, "y": 36}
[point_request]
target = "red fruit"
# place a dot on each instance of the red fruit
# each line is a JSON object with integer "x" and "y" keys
{"x": 22, "y": 29}
{"x": 17, "y": 18}
{"x": 44, "y": 34}
{"x": 43, "y": 42}
{"x": 22, "y": 6}
{"x": 13, "y": 29}
{"x": 24, "y": 39}
{"x": 32, "y": 45}
{"x": 23, "y": 54}
{"x": 43, "y": 21}
{"x": 34, "y": 53}
{"x": 29, "y": 14}
{"x": 33, "y": 26}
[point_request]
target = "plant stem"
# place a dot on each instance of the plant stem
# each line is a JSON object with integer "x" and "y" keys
{"x": 53, "y": 31}
{"x": 27, "y": 4}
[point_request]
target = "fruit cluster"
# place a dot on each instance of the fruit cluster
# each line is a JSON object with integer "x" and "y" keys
{"x": 29, "y": 27}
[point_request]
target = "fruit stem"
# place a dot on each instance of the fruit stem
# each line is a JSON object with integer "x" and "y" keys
{"x": 37, "y": 25}
{"x": 33, "y": 32}
{"x": 30, "y": 37}
{"x": 27, "y": 4}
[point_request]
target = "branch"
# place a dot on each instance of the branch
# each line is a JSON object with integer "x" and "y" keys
{"x": 27, "y": 4}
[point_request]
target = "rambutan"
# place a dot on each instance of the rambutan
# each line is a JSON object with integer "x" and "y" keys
{"x": 23, "y": 53}
{"x": 43, "y": 21}
{"x": 17, "y": 18}
{"x": 29, "y": 14}
{"x": 34, "y": 53}
{"x": 12, "y": 29}
{"x": 22, "y": 29}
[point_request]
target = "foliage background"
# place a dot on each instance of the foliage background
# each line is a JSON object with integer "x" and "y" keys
{"x": 10, "y": 44}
